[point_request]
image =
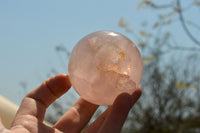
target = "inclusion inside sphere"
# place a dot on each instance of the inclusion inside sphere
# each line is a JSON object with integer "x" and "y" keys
{"x": 104, "y": 64}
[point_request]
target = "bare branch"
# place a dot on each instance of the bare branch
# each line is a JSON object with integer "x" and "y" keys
{"x": 153, "y": 5}
{"x": 175, "y": 46}
{"x": 184, "y": 24}
{"x": 184, "y": 48}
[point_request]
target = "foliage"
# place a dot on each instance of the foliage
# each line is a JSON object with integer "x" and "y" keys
{"x": 170, "y": 101}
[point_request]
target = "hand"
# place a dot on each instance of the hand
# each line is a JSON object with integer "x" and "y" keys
{"x": 30, "y": 116}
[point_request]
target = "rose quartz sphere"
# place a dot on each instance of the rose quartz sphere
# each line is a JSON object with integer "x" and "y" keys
{"x": 104, "y": 64}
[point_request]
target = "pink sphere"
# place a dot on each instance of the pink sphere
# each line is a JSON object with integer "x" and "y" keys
{"x": 104, "y": 64}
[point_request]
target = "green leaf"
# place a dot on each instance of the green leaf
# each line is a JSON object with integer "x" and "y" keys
{"x": 156, "y": 25}
{"x": 142, "y": 3}
{"x": 169, "y": 21}
{"x": 192, "y": 85}
{"x": 161, "y": 16}
{"x": 122, "y": 23}
{"x": 142, "y": 44}
{"x": 144, "y": 34}
{"x": 148, "y": 59}
{"x": 182, "y": 85}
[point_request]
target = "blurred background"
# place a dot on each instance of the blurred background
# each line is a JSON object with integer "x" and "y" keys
{"x": 36, "y": 38}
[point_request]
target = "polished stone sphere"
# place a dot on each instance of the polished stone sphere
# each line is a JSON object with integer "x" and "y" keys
{"x": 104, "y": 64}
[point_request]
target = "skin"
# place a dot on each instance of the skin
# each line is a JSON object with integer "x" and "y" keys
{"x": 30, "y": 116}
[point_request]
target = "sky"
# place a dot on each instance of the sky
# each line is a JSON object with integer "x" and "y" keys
{"x": 30, "y": 31}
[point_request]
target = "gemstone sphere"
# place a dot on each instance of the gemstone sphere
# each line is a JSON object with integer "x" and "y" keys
{"x": 104, "y": 64}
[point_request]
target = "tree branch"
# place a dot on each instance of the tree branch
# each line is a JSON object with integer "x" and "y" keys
{"x": 184, "y": 24}
{"x": 184, "y": 48}
{"x": 159, "y": 6}
{"x": 175, "y": 46}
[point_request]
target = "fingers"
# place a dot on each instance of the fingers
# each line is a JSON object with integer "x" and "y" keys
{"x": 76, "y": 118}
{"x": 113, "y": 118}
{"x": 119, "y": 112}
{"x": 35, "y": 103}
{"x": 96, "y": 125}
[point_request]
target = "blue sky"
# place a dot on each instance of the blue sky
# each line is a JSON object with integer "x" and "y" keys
{"x": 30, "y": 31}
